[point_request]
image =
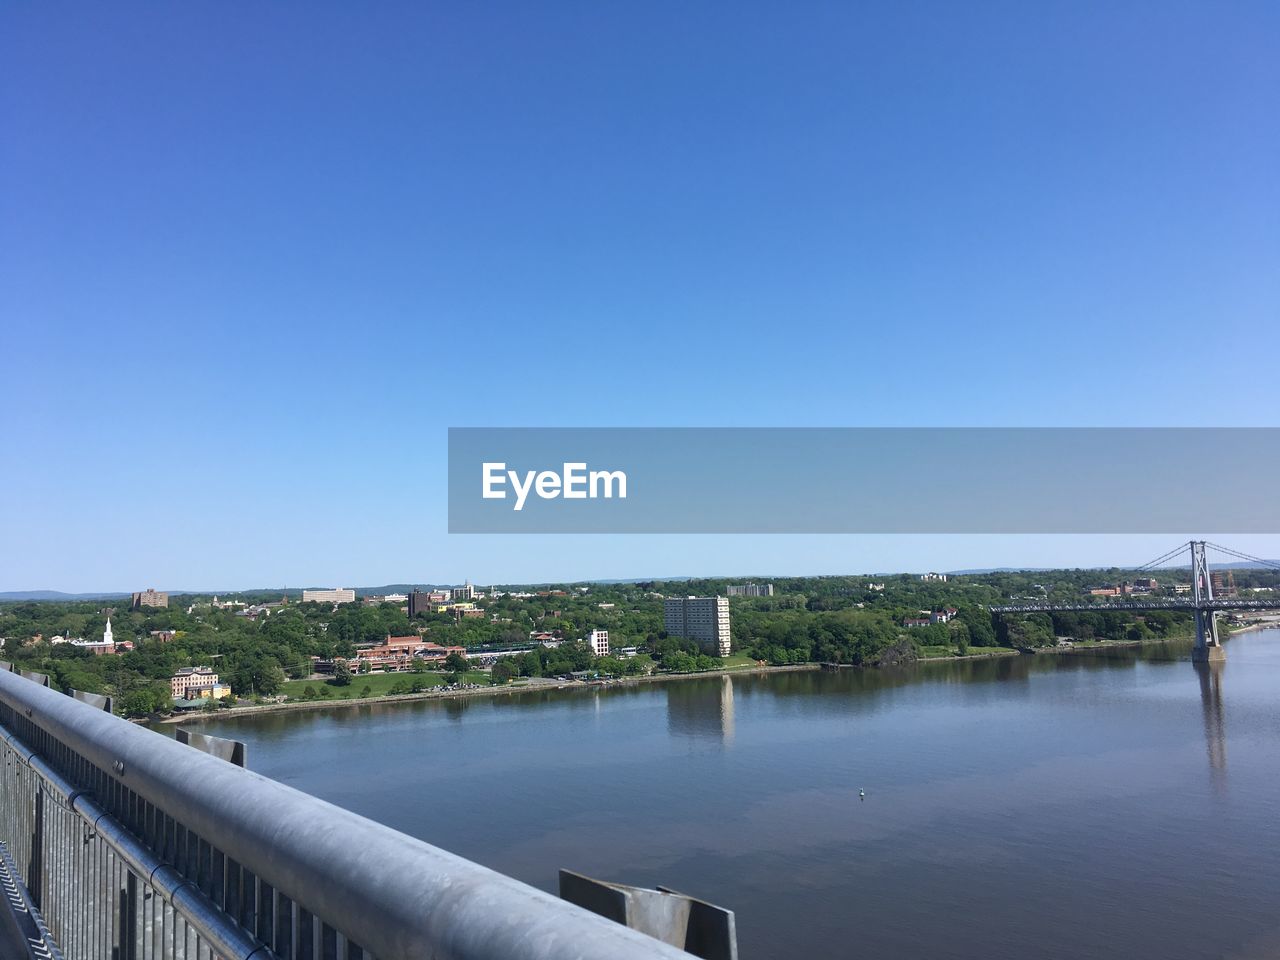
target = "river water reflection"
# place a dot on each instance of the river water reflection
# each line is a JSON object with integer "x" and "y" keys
{"x": 1120, "y": 804}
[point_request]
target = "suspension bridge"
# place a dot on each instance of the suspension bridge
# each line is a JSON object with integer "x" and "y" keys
{"x": 1201, "y": 599}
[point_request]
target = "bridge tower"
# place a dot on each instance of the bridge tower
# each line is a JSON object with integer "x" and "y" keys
{"x": 1208, "y": 646}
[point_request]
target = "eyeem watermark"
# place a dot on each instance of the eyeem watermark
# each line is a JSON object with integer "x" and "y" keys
{"x": 861, "y": 480}
{"x": 574, "y": 482}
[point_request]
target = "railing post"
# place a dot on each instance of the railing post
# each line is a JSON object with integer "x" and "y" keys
{"x": 129, "y": 917}
{"x": 35, "y": 865}
{"x": 101, "y": 701}
{"x": 230, "y": 750}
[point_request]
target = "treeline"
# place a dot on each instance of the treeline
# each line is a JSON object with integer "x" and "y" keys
{"x": 1042, "y": 629}
{"x": 255, "y": 658}
{"x": 852, "y": 635}
{"x": 854, "y": 619}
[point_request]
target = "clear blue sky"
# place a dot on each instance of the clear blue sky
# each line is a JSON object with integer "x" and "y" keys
{"x": 256, "y": 258}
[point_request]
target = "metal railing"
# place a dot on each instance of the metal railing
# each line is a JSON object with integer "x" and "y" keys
{"x": 133, "y": 845}
{"x": 100, "y": 892}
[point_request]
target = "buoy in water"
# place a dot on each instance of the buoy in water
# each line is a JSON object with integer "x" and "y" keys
{"x": 862, "y": 794}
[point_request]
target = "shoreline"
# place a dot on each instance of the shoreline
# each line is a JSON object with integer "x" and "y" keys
{"x": 1250, "y": 627}
{"x": 200, "y": 716}
{"x": 989, "y": 653}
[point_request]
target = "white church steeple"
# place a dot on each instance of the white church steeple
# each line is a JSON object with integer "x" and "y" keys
{"x": 106, "y": 634}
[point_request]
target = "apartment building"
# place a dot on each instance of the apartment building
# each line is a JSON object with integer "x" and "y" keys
{"x": 421, "y": 601}
{"x": 598, "y": 641}
{"x": 336, "y": 595}
{"x": 750, "y": 590}
{"x": 704, "y": 619}
{"x": 197, "y": 683}
{"x": 149, "y": 598}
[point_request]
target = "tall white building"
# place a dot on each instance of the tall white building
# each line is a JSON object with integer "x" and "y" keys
{"x": 750, "y": 590}
{"x": 464, "y": 592}
{"x": 336, "y": 595}
{"x": 704, "y": 619}
{"x": 598, "y": 641}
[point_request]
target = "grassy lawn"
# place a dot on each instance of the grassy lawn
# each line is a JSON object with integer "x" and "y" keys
{"x": 736, "y": 661}
{"x": 379, "y": 684}
{"x": 934, "y": 652}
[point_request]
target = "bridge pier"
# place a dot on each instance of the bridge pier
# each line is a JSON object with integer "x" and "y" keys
{"x": 1208, "y": 655}
{"x": 1208, "y": 646}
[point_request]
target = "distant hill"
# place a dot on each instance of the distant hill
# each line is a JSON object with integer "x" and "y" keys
{"x": 978, "y": 571}
{"x": 293, "y": 592}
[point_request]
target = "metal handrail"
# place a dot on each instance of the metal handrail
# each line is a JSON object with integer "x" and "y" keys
{"x": 213, "y": 927}
{"x": 393, "y": 894}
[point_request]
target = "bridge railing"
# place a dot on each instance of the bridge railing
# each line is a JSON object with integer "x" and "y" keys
{"x": 134, "y": 845}
{"x": 100, "y": 892}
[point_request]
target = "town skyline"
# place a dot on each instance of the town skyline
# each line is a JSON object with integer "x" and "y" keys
{"x": 1265, "y": 546}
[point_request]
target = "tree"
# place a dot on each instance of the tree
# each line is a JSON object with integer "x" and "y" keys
{"x": 456, "y": 662}
{"x": 145, "y": 701}
{"x": 341, "y": 674}
{"x": 679, "y": 662}
{"x": 502, "y": 671}
{"x": 960, "y": 635}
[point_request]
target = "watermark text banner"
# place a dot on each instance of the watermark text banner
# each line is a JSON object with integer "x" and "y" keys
{"x": 863, "y": 480}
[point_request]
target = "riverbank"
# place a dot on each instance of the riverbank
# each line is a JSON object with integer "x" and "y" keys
{"x": 535, "y": 686}
{"x": 1260, "y": 625}
{"x": 761, "y": 777}
{"x": 1081, "y": 649}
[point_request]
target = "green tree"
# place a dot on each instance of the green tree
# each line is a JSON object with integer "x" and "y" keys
{"x": 145, "y": 700}
{"x": 502, "y": 671}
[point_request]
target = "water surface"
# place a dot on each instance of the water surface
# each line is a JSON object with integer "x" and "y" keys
{"x": 1123, "y": 804}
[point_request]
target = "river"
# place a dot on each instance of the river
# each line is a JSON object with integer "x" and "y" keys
{"x": 1122, "y": 804}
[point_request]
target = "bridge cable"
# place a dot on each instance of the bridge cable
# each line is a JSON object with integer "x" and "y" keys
{"x": 1243, "y": 556}
{"x": 1172, "y": 554}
